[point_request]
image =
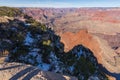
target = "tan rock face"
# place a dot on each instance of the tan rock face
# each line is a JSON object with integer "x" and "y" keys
{"x": 95, "y": 20}
{"x": 5, "y": 19}
{"x": 118, "y": 51}
{"x": 101, "y": 50}
{"x": 19, "y": 71}
{"x": 110, "y": 77}
{"x": 82, "y": 37}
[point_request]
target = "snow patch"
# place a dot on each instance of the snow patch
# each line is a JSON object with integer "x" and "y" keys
{"x": 36, "y": 56}
{"x": 28, "y": 40}
{"x": 44, "y": 66}
{"x": 27, "y": 24}
{"x": 33, "y": 54}
{"x": 35, "y": 50}
{"x": 71, "y": 68}
{"x": 55, "y": 62}
{"x": 79, "y": 53}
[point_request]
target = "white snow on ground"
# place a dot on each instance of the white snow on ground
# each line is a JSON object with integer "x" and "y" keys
{"x": 36, "y": 56}
{"x": 7, "y": 40}
{"x": 71, "y": 68}
{"x": 44, "y": 66}
{"x": 27, "y": 24}
{"x": 33, "y": 54}
{"x": 28, "y": 39}
{"x": 35, "y": 49}
{"x": 54, "y": 61}
{"x": 79, "y": 53}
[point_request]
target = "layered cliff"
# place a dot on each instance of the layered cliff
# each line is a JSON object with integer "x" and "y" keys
{"x": 96, "y": 20}
{"x": 75, "y": 54}
{"x": 38, "y": 45}
{"x": 33, "y": 43}
{"x": 100, "y": 48}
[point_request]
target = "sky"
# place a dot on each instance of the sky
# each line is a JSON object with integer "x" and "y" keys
{"x": 60, "y": 3}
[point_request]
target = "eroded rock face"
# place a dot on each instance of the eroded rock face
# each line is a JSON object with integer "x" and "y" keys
{"x": 5, "y": 19}
{"x": 96, "y": 20}
{"x": 42, "y": 47}
{"x": 104, "y": 54}
{"x": 118, "y": 51}
{"x": 113, "y": 40}
{"x": 19, "y": 71}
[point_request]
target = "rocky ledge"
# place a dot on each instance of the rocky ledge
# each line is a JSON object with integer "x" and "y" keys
{"x": 19, "y": 71}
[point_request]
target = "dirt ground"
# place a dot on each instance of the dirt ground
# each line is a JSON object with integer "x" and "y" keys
{"x": 2, "y": 59}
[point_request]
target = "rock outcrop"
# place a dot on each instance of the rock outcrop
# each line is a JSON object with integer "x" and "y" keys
{"x": 31, "y": 42}
{"x": 5, "y": 19}
{"x": 19, "y": 71}
{"x": 104, "y": 54}
{"x": 40, "y": 46}
{"x": 118, "y": 50}
{"x": 96, "y": 20}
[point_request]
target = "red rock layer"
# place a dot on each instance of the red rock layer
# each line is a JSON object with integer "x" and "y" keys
{"x": 82, "y": 37}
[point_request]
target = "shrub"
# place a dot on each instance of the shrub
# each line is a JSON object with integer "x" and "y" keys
{"x": 46, "y": 42}
{"x": 11, "y": 12}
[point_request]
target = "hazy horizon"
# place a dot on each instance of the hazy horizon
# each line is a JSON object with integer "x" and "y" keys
{"x": 60, "y": 4}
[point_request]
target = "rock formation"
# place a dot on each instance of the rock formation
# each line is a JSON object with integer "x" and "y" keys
{"x": 38, "y": 45}
{"x": 96, "y": 20}
{"x": 28, "y": 41}
{"x": 19, "y": 71}
{"x": 104, "y": 54}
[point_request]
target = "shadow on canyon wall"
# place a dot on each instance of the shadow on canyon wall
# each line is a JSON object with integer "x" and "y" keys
{"x": 116, "y": 75}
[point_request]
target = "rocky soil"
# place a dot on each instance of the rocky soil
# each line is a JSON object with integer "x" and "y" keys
{"x": 19, "y": 71}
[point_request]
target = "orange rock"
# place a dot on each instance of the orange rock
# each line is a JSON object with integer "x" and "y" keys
{"x": 110, "y": 77}
{"x": 82, "y": 37}
{"x": 100, "y": 48}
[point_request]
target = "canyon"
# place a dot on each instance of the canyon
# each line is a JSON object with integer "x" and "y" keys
{"x": 96, "y": 28}
{"x": 97, "y": 21}
{"x": 60, "y": 40}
